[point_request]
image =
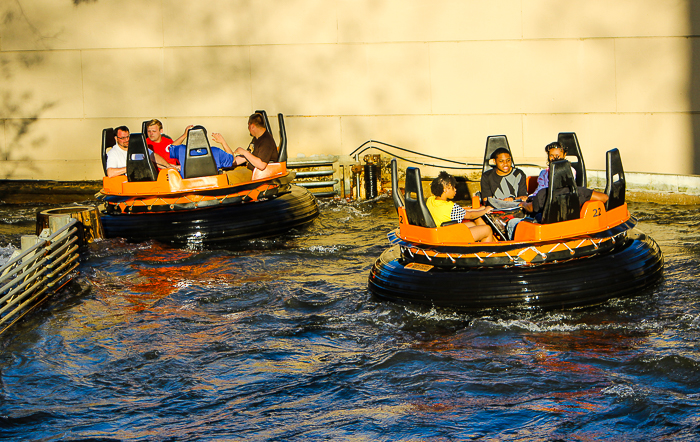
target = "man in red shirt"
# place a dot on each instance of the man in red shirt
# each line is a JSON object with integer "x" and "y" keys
{"x": 161, "y": 143}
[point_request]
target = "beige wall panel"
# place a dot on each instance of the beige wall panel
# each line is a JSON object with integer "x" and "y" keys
{"x": 540, "y": 130}
{"x": 123, "y": 82}
{"x": 537, "y": 76}
{"x": 226, "y": 22}
{"x": 207, "y": 81}
{"x": 653, "y": 74}
{"x": 311, "y": 136}
{"x": 409, "y": 132}
{"x": 604, "y": 18}
{"x": 315, "y": 21}
{"x": 476, "y": 77}
{"x": 46, "y": 139}
{"x": 50, "y": 24}
{"x": 311, "y": 80}
{"x": 451, "y": 136}
{"x": 399, "y": 78}
{"x": 232, "y": 128}
{"x": 568, "y": 76}
{"x": 38, "y": 149}
{"x": 419, "y": 20}
{"x": 660, "y": 143}
{"x": 215, "y": 22}
{"x": 41, "y": 85}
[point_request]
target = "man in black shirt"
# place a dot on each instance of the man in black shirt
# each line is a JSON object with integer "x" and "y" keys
{"x": 264, "y": 150}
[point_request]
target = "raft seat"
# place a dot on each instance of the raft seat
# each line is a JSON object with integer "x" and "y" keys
{"x": 272, "y": 169}
{"x": 615, "y": 186}
{"x": 139, "y": 166}
{"x": 562, "y": 202}
{"x": 570, "y": 140}
{"x": 199, "y": 161}
{"x": 493, "y": 143}
{"x": 108, "y": 142}
{"x": 417, "y": 222}
{"x": 531, "y": 184}
{"x": 395, "y": 193}
{"x": 416, "y": 210}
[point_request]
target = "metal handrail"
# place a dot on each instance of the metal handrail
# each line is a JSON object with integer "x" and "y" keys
{"x": 17, "y": 263}
{"x": 36, "y": 271}
{"x": 469, "y": 166}
{"x": 356, "y": 154}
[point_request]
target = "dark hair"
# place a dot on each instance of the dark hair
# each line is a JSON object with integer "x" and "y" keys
{"x": 257, "y": 119}
{"x": 556, "y": 145}
{"x": 121, "y": 128}
{"x": 499, "y": 151}
{"x": 437, "y": 187}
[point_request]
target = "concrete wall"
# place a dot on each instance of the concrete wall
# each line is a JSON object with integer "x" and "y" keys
{"x": 436, "y": 76}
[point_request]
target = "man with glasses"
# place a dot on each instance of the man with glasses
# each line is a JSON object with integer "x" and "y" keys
{"x": 116, "y": 157}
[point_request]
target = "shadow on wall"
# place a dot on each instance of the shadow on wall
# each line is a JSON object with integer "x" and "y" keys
{"x": 19, "y": 111}
{"x": 694, "y": 90}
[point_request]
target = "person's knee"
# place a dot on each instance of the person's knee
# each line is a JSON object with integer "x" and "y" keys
{"x": 599, "y": 196}
{"x": 481, "y": 233}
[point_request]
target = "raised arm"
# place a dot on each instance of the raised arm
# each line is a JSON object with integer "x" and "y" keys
{"x": 183, "y": 136}
{"x": 220, "y": 139}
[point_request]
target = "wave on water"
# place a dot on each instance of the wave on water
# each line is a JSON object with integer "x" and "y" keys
{"x": 5, "y": 253}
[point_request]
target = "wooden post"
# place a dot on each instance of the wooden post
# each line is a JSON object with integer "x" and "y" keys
{"x": 88, "y": 216}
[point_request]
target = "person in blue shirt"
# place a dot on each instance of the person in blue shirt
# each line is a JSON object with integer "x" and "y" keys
{"x": 222, "y": 158}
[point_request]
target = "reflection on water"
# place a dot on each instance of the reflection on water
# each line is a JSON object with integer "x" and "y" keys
{"x": 280, "y": 340}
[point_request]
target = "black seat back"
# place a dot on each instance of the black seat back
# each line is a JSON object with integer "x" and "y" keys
{"x": 144, "y": 128}
{"x": 615, "y": 174}
{"x": 562, "y": 197}
{"x": 395, "y": 193}
{"x": 199, "y": 160}
{"x": 494, "y": 142}
{"x": 108, "y": 141}
{"x": 139, "y": 166}
{"x": 282, "y": 153}
{"x": 570, "y": 140}
{"x": 417, "y": 212}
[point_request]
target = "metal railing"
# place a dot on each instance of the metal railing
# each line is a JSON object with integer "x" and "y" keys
{"x": 37, "y": 272}
{"x": 370, "y": 144}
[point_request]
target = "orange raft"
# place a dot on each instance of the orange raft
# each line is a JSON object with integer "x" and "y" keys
{"x": 202, "y": 211}
{"x": 205, "y": 211}
{"x": 591, "y": 256}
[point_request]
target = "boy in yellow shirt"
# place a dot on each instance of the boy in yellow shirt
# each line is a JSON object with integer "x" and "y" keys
{"x": 443, "y": 188}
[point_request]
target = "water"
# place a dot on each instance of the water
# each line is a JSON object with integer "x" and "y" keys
{"x": 280, "y": 340}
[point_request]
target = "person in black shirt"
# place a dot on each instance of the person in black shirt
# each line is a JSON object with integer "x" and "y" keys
{"x": 264, "y": 150}
{"x": 503, "y": 182}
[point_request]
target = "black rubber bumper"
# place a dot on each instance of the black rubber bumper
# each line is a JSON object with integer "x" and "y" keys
{"x": 220, "y": 226}
{"x": 631, "y": 266}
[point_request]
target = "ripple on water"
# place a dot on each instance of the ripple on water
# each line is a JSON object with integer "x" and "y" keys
{"x": 280, "y": 340}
